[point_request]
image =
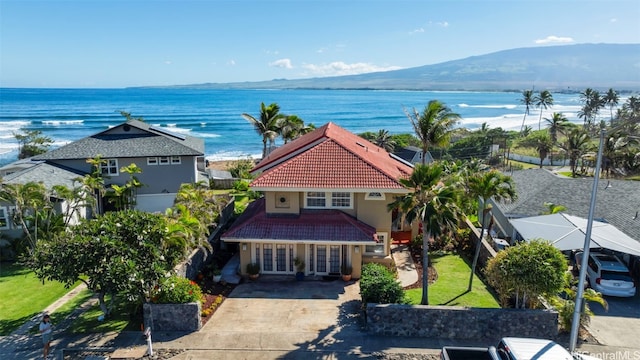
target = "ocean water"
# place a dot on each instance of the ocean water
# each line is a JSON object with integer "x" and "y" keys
{"x": 66, "y": 115}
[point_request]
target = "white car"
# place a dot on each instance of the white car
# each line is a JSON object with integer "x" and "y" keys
{"x": 608, "y": 275}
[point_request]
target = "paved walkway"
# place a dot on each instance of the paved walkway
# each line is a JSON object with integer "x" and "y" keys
{"x": 407, "y": 274}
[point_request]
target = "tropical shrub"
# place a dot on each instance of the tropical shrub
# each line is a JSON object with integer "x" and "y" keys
{"x": 177, "y": 290}
{"x": 565, "y": 303}
{"x": 527, "y": 270}
{"x": 378, "y": 285}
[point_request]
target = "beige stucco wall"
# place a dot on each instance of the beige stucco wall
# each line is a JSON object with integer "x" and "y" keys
{"x": 279, "y": 202}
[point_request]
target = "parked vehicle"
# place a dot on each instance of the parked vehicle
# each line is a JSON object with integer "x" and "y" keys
{"x": 510, "y": 348}
{"x": 607, "y": 274}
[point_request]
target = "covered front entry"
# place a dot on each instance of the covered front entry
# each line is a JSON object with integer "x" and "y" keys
{"x": 320, "y": 259}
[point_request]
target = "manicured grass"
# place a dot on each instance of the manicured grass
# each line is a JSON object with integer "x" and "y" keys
{"x": 119, "y": 320}
{"x": 451, "y": 287}
{"x": 524, "y": 165}
{"x": 22, "y": 296}
{"x": 566, "y": 173}
{"x": 67, "y": 309}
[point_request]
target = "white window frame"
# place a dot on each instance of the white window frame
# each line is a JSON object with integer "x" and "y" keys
{"x": 382, "y": 243}
{"x": 176, "y": 160}
{"x": 375, "y": 195}
{"x": 164, "y": 160}
{"x": 311, "y": 195}
{"x": 4, "y": 215}
{"x": 152, "y": 161}
{"x": 111, "y": 167}
{"x": 329, "y": 197}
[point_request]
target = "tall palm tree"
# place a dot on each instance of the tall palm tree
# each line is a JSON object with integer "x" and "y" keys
{"x": 527, "y": 101}
{"x": 267, "y": 125}
{"x": 384, "y": 140}
{"x": 432, "y": 200}
{"x": 543, "y": 100}
{"x": 592, "y": 102}
{"x": 611, "y": 100}
{"x": 487, "y": 185}
{"x": 433, "y": 126}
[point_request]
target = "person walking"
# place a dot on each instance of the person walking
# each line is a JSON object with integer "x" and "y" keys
{"x": 46, "y": 330}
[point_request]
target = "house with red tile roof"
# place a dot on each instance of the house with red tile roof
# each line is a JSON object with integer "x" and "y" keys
{"x": 325, "y": 202}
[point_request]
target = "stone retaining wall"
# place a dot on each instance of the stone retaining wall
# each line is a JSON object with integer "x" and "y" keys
{"x": 172, "y": 317}
{"x": 449, "y": 322}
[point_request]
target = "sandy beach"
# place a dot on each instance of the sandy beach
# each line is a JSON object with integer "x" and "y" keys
{"x": 221, "y": 164}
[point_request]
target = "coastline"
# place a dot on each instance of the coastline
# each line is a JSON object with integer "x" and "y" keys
{"x": 221, "y": 164}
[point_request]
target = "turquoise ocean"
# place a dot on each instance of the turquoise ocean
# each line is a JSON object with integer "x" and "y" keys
{"x": 66, "y": 115}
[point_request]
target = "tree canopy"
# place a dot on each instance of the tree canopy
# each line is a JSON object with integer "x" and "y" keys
{"x": 527, "y": 270}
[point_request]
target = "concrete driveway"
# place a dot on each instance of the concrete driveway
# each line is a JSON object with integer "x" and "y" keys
{"x": 620, "y": 326}
{"x": 270, "y": 319}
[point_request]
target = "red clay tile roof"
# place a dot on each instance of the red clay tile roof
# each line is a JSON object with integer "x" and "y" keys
{"x": 309, "y": 225}
{"x": 330, "y": 157}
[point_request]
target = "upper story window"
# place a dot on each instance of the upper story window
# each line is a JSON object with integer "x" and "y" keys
{"x": 109, "y": 167}
{"x": 316, "y": 200}
{"x": 176, "y": 160}
{"x": 374, "y": 195}
{"x": 152, "y": 161}
{"x": 329, "y": 200}
{"x": 164, "y": 160}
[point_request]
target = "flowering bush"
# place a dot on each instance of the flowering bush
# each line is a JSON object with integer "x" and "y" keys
{"x": 177, "y": 290}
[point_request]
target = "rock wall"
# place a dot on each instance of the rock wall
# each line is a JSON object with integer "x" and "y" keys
{"x": 172, "y": 317}
{"x": 449, "y": 322}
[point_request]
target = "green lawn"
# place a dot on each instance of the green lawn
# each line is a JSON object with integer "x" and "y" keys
{"x": 451, "y": 286}
{"x": 22, "y": 296}
{"x": 119, "y": 320}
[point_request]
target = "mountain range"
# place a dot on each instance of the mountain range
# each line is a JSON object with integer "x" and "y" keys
{"x": 567, "y": 68}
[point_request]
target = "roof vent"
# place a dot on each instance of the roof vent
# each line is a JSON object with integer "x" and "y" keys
{"x": 126, "y": 127}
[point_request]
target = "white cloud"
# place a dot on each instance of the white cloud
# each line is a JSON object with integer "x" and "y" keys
{"x": 416, "y": 31}
{"x": 282, "y": 63}
{"x": 231, "y": 62}
{"x": 443, "y": 24}
{"x": 167, "y": 62}
{"x": 339, "y": 68}
{"x": 613, "y": 20}
{"x": 552, "y": 39}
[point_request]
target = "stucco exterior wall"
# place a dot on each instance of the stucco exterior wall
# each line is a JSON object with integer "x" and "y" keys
{"x": 280, "y": 202}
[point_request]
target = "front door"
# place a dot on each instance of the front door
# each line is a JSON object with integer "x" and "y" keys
{"x": 326, "y": 259}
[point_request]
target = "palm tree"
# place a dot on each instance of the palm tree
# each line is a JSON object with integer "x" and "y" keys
{"x": 543, "y": 101}
{"x": 544, "y": 145}
{"x": 487, "y": 185}
{"x": 290, "y": 128}
{"x": 267, "y": 125}
{"x": 575, "y": 146}
{"x": 611, "y": 99}
{"x": 433, "y": 126}
{"x": 592, "y": 102}
{"x": 527, "y": 101}
{"x": 432, "y": 200}
{"x": 558, "y": 123}
{"x": 384, "y": 140}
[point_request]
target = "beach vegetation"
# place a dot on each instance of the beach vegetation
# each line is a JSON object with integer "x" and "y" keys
{"x": 527, "y": 101}
{"x": 266, "y": 125}
{"x": 543, "y": 100}
{"x": 241, "y": 168}
{"x": 31, "y": 143}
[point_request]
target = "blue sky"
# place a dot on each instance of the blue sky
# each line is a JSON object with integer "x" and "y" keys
{"x": 117, "y": 43}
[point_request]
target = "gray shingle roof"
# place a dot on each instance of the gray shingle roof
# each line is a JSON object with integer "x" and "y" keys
{"x": 48, "y": 174}
{"x": 616, "y": 204}
{"x": 151, "y": 142}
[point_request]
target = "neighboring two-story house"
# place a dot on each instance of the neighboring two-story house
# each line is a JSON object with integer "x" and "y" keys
{"x": 325, "y": 201}
{"x": 167, "y": 160}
